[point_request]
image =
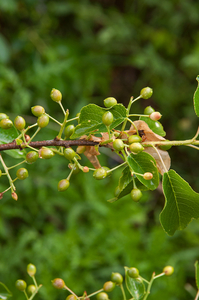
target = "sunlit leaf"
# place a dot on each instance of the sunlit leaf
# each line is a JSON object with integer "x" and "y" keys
{"x": 155, "y": 126}
{"x": 181, "y": 203}
{"x": 90, "y": 119}
{"x": 142, "y": 163}
{"x": 7, "y": 136}
{"x": 135, "y": 286}
{"x": 196, "y": 98}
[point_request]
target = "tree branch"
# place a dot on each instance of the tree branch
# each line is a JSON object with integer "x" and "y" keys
{"x": 55, "y": 142}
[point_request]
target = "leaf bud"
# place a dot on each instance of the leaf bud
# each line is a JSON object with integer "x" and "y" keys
{"x": 56, "y": 95}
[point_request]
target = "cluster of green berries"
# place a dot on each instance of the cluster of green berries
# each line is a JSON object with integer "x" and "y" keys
{"x": 21, "y": 285}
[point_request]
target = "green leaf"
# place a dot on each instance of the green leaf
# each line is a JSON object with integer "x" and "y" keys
{"x": 135, "y": 286}
{"x": 196, "y": 98}
{"x": 91, "y": 119}
{"x": 181, "y": 203}
{"x": 7, "y": 136}
{"x": 142, "y": 163}
{"x": 5, "y": 293}
{"x": 197, "y": 274}
{"x": 155, "y": 126}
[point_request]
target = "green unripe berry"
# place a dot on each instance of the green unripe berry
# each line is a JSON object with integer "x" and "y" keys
{"x": 43, "y": 121}
{"x": 37, "y": 110}
{"x": 134, "y": 139}
{"x": 69, "y": 153}
{"x": 6, "y": 123}
{"x": 165, "y": 147}
{"x": 107, "y": 118}
{"x": 136, "y": 194}
{"x": 19, "y": 123}
{"x": 117, "y": 278}
{"x": 118, "y": 145}
{"x": 69, "y": 131}
{"x": 109, "y": 286}
{"x": 32, "y": 156}
{"x": 71, "y": 297}
{"x": 100, "y": 173}
{"x": 58, "y": 283}
{"x": 109, "y": 102}
{"x": 117, "y": 191}
{"x": 63, "y": 185}
{"x": 102, "y": 296}
{"x": 107, "y": 169}
{"x": 31, "y": 269}
{"x": 168, "y": 270}
{"x": 46, "y": 153}
{"x": 136, "y": 147}
{"x": 21, "y": 285}
{"x": 155, "y": 116}
{"x": 148, "y": 110}
{"x": 81, "y": 149}
{"x": 22, "y": 173}
{"x": 3, "y": 116}
{"x": 74, "y": 167}
{"x": 133, "y": 272}
{"x": 56, "y": 95}
{"x": 148, "y": 176}
{"x": 146, "y": 93}
{"x": 31, "y": 289}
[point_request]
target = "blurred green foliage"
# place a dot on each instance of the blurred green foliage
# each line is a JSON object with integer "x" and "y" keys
{"x": 91, "y": 50}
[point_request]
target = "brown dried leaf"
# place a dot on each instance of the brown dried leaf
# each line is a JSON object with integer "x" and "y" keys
{"x": 165, "y": 157}
{"x": 92, "y": 151}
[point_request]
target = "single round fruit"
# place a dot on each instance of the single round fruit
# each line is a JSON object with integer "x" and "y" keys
{"x": 3, "y": 116}
{"x": 56, "y": 95}
{"x": 46, "y": 153}
{"x": 21, "y": 285}
{"x": 109, "y": 102}
{"x": 102, "y": 296}
{"x": 22, "y": 173}
{"x": 85, "y": 169}
{"x": 74, "y": 167}
{"x": 133, "y": 272}
{"x": 69, "y": 153}
{"x": 118, "y": 145}
{"x": 117, "y": 278}
{"x": 37, "y": 110}
{"x": 117, "y": 191}
{"x": 31, "y": 289}
{"x": 58, "y": 283}
{"x": 165, "y": 147}
{"x": 148, "y": 176}
{"x": 107, "y": 118}
{"x": 71, "y": 297}
{"x": 32, "y": 156}
{"x": 148, "y": 110}
{"x": 69, "y": 131}
{"x": 136, "y": 147}
{"x": 100, "y": 173}
{"x": 155, "y": 116}
{"x": 31, "y": 269}
{"x": 19, "y": 123}
{"x": 146, "y": 93}
{"x": 6, "y": 123}
{"x": 43, "y": 121}
{"x": 136, "y": 194}
{"x": 168, "y": 270}
{"x": 81, "y": 149}
{"x": 134, "y": 139}
{"x": 63, "y": 185}
{"x": 109, "y": 286}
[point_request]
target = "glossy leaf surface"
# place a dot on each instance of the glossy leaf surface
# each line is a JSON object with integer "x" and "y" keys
{"x": 135, "y": 286}
{"x": 196, "y": 98}
{"x": 7, "y": 136}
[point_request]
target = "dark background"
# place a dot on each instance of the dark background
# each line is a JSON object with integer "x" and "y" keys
{"x": 90, "y": 50}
